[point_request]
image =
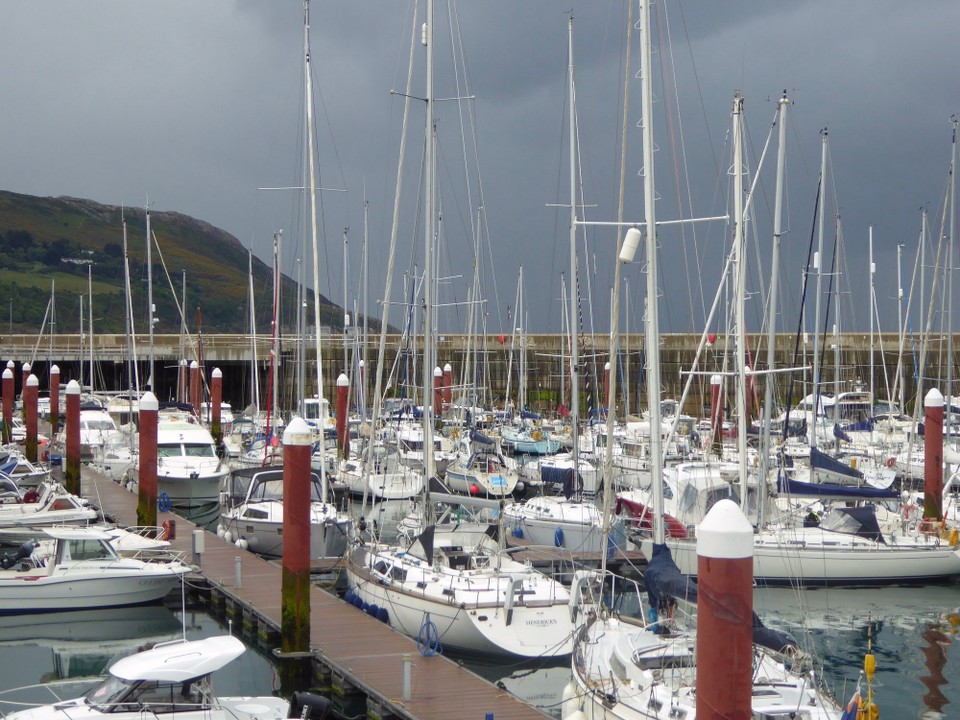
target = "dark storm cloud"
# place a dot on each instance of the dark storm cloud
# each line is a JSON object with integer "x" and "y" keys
{"x": 197, "y": 105}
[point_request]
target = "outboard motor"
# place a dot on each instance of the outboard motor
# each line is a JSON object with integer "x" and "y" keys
{"x": 313, "y": 707}
{"x": 23, "y": 552}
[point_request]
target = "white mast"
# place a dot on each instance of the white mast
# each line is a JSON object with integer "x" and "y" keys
{"x": 947, "y": 420}
{"x": 313, "y": 225}
{"x": 254, "y": 372}
{"x": 873, "y": 304}
{"x": 652, "y": 343}
{"x": 782, "y": 106}
{"x": 90, "y": 320}
{"x": 740, "y": 278}
{"x": 151, "y": 384}
{"x": 899, "y": 379}
{"x": 818, "y": 265}
{"x": 428, "y": 299}
{"x": 574, "y": 340}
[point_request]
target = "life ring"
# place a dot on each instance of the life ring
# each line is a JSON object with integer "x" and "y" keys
{"x": 907, "y": 511}
{"x": 891, "y": 462}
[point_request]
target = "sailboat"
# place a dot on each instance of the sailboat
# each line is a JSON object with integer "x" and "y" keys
{"x": 454, "y": 587}
{"x": 846, "y": 546}
{"x": 627, "y": 668}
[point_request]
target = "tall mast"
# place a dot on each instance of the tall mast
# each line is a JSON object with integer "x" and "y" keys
{"x": 782, "y": 106}
{"x": 254, "y": 373}
{"x": 818, "y": 263}
{"x": 366, "y": 313}
{"x": 313, "y": 225}
{"x": 428, "y": 299}
{"x": 872, "y": 269}
{"x": 740, "y": 277}
{"x": 574, "y": 340}
{"x": 652, "y": 343}
{"x": 151, "y": 384}
{"x": 947, "y": 420}
{"x": 90, "y": 320}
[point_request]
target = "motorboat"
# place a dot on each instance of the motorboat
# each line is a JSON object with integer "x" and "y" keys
{"x": 189, "y": 473}
{"x": 46, "y": 505}
{"x": 256, "y": 523}
{"x": 170, "y": 679}
{"x": 81, "y": 569}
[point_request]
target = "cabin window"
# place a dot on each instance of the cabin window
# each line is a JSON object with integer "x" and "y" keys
{"x": 198, "y": 450}
{"x": 85, "y": 550}
{"x": 165, "y": 451}
{"x": 61, "y": 504}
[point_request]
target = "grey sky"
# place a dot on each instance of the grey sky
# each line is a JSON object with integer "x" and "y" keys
{"x": 196, "y": 105}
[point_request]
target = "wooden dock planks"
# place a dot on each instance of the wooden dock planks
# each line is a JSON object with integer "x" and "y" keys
{"x": 366, "y": 651}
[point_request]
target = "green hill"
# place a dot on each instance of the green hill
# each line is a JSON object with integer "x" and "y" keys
{"x": 53, "y": 243}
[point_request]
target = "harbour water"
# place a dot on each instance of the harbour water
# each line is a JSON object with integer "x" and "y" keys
{"x": 913, "y": 631}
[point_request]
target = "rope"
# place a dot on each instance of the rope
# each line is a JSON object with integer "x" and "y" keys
{"x": 428, "y": 639}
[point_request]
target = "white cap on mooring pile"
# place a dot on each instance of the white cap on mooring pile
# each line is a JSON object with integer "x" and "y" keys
{"x": 297, "y": 433}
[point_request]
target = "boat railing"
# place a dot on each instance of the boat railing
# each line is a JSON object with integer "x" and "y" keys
{"x": 58, "y": 690}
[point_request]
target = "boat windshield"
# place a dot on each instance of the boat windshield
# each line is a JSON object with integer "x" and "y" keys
{"x": 198, "y": 450}
{"x": 114, "y": 695}
{"x": 106, "y": 696}
{"x": 268, "y": 490}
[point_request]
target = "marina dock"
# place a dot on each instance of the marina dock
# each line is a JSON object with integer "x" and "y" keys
{"x": 353, "y": 654}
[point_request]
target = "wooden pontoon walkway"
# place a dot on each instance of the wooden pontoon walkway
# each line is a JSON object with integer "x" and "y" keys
{"x": 363, "y": 650}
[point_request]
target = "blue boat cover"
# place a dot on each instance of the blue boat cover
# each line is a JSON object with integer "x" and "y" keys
{"x": 823, "y": 461}
{"x": 562, "y": 477}
{"x": 798, "y": 487}
{"x": 665, "y": 583}
{"x": 479, "y": 437}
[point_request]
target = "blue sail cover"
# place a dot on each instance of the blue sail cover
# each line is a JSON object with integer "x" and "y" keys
{"x": 564, "y": 478}
{"x": 478, "y": 437}
{"x": 832, "y": 490}
{"x": 665, "y": 583}
{"x": 827, "y": 463}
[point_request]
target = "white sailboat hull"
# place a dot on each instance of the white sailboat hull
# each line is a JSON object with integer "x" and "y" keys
{"x": 466, "y": 609}
{"x": 813, "y": 557}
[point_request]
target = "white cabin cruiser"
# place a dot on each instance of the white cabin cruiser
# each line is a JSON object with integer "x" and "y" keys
{"x": 169, "y": 680}
{"x": 83, "y": 570}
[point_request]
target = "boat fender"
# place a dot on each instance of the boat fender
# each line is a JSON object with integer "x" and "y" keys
{"x": 954, "y": 537}
{"x": 358, "y": 602}
{"x": 518, "y": 532}
{"x": 558, "y": 537}
{"x": 348, "y": 596}
{"x": 383, "y": 616}
{"x": 372, "y": 610}
{"x": 570, "y": 701}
